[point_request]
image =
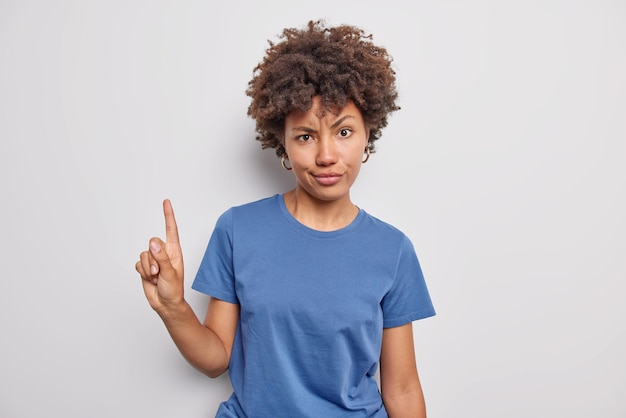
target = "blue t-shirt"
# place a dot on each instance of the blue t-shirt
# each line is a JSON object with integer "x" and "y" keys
{"x": 313, "y": 306}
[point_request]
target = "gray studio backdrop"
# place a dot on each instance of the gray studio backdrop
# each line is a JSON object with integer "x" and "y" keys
{"x": 505, "y": 166}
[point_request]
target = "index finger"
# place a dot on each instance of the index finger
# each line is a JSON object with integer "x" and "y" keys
{"x": 171, "y": 229}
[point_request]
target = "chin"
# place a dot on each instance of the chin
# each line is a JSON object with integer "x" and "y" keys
{"x": 330, "y": 196}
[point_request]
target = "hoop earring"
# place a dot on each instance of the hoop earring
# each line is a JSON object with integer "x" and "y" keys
{"x": 282, "y": 162}
{"x": 367, "y": 154}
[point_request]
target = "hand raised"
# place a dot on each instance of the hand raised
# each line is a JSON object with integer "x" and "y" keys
{"x": 161, "y": 267}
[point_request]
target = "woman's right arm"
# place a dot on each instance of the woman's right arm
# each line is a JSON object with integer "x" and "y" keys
{"x": 206, "y": 346}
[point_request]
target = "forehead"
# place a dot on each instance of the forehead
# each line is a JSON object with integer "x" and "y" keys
{"x": 317, "y": 113}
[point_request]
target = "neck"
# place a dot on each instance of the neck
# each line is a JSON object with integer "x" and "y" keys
{"x": 319, "y": 214}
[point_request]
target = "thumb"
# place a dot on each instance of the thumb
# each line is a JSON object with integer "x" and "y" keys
{"x": 157, "y": 250}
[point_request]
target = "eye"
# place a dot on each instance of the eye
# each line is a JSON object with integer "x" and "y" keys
{"x": 304, "y": 137}
{"x": 345, "y": 132}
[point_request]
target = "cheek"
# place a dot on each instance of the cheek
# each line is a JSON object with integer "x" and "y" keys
{"x": 358, "y": 153}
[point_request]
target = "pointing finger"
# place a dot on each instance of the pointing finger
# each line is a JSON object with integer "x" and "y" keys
{"x": 171, "y": 229}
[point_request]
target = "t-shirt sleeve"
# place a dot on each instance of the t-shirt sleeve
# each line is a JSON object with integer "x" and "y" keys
{"x": 408, "y": 298}
{"x": 216, "y": 277}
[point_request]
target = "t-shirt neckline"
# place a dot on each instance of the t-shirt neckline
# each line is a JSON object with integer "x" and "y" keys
{"x": 280, "y": 199}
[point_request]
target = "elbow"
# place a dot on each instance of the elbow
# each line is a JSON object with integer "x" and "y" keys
{"x": 213, "y": 374}
{"x": 405, "y": 403}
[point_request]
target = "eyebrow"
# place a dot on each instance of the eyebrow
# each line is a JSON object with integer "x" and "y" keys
{"x": 333, "y": 126}
{"x": 340, "y": 121}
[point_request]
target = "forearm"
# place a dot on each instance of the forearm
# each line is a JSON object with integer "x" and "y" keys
{"x": 198, "y": 344}
{"x": 409, "y": 404}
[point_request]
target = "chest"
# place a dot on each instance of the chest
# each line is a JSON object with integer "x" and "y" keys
{"x": 317, "y": 287}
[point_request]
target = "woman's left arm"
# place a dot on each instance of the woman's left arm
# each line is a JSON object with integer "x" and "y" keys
{"x": 400, "y": 385}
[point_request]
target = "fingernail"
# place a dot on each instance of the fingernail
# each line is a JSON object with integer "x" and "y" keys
{"x": 153, "y": 270}
{"x": 155, "y": 246}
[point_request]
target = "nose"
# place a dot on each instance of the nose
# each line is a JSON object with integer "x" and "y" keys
{"x": 326, "y": 152}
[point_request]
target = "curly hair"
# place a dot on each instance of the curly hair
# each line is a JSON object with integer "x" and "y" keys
{"x": 336, "y": 63}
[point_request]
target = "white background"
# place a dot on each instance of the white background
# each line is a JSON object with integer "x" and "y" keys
{"x": 505, "y": 166}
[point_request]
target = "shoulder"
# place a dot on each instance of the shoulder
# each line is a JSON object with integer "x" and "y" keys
{"x": 255, "y": 207}
{"x": 382, "y": 229}
{"x": 264, "y": 204}
{"x": 250, "y": 215}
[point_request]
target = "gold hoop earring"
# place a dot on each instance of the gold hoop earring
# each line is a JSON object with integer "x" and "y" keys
{"x": 282, "y": 162}
{"x": 367, "y": 154}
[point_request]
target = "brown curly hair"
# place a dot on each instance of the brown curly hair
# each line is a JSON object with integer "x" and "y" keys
{"x": 336, "y": 63}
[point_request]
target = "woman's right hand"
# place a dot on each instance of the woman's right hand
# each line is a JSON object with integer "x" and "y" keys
{"x": 161, "y": 268}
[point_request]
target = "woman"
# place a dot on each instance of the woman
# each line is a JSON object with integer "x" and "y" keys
{"x": 310, "y": 295}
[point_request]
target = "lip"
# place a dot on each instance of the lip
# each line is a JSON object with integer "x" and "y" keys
{"x": 327, "y": 179}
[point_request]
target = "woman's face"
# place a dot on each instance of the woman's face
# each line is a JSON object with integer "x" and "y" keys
{"x": 325, "y": 152}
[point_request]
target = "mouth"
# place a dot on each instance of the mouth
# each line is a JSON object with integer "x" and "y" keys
{"x": 327, "y": 179}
